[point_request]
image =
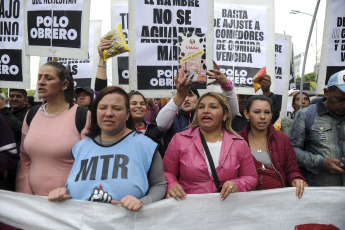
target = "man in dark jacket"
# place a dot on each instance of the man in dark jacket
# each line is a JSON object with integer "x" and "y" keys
{"x": 15, "y": 115}
{"x": 8, "y": 151}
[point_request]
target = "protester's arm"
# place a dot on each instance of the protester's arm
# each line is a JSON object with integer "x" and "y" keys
{"x": 101, "y": 76}
{"x": 157, "y": 182}
{"x": 231, "y": 97}
{"x": 152, "y": 111}
{"x": 166, "y": 115}
{"x": 286, "y": 125}
{"x": 227, "y": 89}
{"x": 266, "y": 84}
{"x": 22, "y": 181}
{"x": 311, "y": 162}
{"x": 276, "y": 112}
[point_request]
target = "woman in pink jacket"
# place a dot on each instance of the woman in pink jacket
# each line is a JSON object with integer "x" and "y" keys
{"x": 186, "y": 164}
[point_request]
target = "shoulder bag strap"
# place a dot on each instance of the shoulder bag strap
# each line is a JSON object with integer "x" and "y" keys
{"x": 210, "y": 161}
{"x": 32, "y": 112}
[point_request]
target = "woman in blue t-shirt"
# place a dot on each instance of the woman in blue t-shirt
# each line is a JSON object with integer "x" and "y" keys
{"x": 114, "y": 164}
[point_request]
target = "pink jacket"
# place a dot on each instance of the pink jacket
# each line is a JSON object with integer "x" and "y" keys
{"x": 185, "y": 163}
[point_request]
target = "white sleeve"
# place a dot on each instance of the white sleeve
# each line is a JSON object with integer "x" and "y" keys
{"x": 231, "y": 96}
{"x": 166, "y": 116}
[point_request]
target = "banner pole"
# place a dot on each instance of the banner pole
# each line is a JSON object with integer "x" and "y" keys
{"x": 306, "y": 52}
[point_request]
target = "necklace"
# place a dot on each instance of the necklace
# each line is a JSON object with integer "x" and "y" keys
{"x": 258, "y": 148}
{"x": 221, "y": 138}
{"x": 64, "y": 109}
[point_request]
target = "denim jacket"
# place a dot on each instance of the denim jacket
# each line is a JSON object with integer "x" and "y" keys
{"x": 325, "y": 139}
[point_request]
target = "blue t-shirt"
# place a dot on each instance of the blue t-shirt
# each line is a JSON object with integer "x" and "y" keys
{"x": 105, "y": 173}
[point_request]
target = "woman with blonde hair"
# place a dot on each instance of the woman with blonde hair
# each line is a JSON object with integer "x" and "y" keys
{"x": 209, "y": 156}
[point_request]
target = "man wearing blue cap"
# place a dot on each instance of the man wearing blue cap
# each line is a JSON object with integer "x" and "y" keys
{"x": 318, "y": 136}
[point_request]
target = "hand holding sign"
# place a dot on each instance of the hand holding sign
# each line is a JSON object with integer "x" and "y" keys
{"x": 183, "y": 85}
{"x": 218, "y": 76}
{"x": 104, "y": 45}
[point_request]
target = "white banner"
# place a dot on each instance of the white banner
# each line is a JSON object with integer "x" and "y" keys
{"x": 120, "y": 70}
{"x": 83, "y": 71}
{"x": 157, "y": 24}
{"x": 333, "y": 44}
{"x": 282, "y": 71}
{"x": 243, "y": 32}
{"x": 55, "y": 27}
{"x": 268, "y": 209}
{"x": 14, "y": 64}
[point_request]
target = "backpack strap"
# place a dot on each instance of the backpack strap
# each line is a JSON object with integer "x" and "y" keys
{"x": 80, "y": 118}
{"x": 32, "y": 112}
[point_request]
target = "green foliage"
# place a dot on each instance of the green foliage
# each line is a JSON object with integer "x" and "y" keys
{"x": 31, "y": 92}
{"x": 310, "y": 78}
{"x": 5, "y": 91}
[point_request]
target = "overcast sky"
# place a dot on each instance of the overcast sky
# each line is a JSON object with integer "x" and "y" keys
{"x": 298, "y": 25}
{"x": 295, "y": 25}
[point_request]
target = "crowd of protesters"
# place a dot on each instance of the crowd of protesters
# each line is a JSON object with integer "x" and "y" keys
{"x": 108, "y": 145}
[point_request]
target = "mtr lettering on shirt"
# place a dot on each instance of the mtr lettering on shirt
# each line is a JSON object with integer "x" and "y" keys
{"x": 88, "y": 167}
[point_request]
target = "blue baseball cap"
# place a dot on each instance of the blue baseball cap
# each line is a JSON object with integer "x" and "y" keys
{"x": 338, "y": 80}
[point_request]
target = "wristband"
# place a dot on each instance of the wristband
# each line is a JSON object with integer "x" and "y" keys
{"x": 102, "y": 66}
{"x": 228, "y": 86}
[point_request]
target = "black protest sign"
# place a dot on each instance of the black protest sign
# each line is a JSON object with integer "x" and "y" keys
{"x": 11, "y": 65}
{"x": 122, "y": 69}
{"x": 333, "y": 47}
{"x": 164, "y": 79}
{"x": 240, "y": 76}
{"x": 82, "y": 82}
{"x": 11, "y": 52}
{"x": 157, "y": 26}
{"x": 54, "y": 28}
{"x": 121, "y": 16}
{"x": 9, "y": 20}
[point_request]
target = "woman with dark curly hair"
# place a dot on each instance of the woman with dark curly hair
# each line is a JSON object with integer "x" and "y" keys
{"x": 45, "y": 153}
